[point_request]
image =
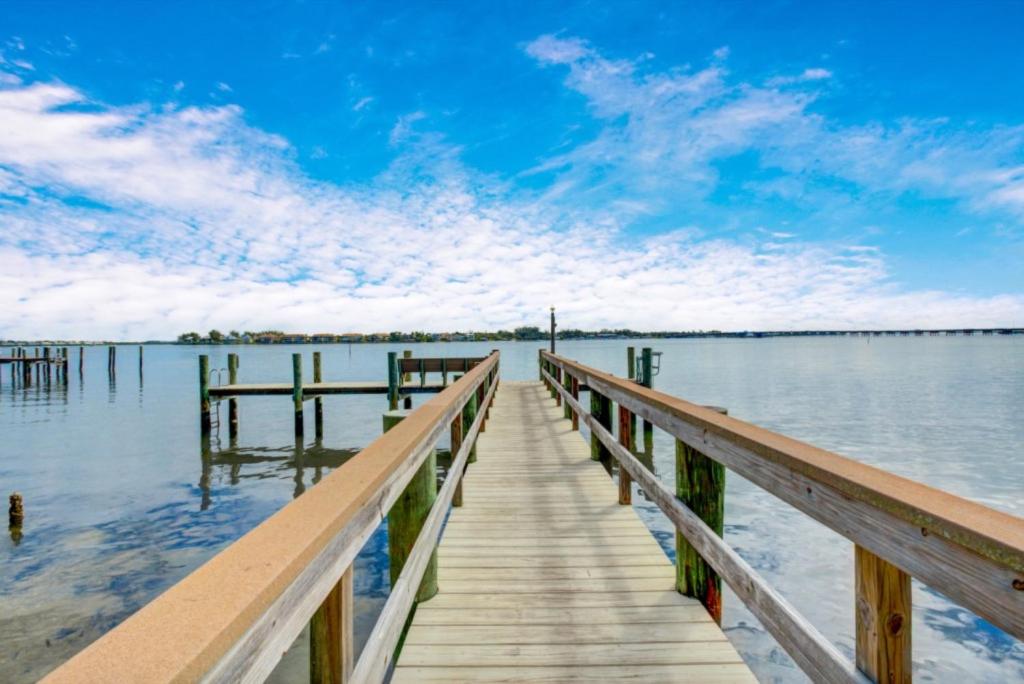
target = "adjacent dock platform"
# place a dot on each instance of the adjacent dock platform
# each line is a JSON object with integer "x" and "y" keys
{"x": 544, "y": 577}
{"x": 318, "y": 388}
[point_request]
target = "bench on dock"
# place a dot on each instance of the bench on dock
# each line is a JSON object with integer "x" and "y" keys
{"x": 543, "y": 572}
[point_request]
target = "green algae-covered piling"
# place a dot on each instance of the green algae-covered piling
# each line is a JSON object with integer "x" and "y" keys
{"x": 318, "y": 403}
{"x": 700, "y": 485}
{"x": 232, "y": 402}
{"x": 297, "y": 391}
{"x": 601, "y": 410}
{"x": 204, "y": 394}
{"x": 408, "y": 513}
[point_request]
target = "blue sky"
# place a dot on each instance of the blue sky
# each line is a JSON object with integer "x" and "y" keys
{"x": 361, "y": 166}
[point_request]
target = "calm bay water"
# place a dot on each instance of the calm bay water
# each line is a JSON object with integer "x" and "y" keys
{"x": 121, "y": 500}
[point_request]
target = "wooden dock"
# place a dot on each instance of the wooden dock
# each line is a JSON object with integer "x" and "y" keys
{"x": 544, "y": 577}
{"x": 529, "y": 564}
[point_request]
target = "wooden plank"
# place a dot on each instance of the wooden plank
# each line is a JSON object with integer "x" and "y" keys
{"x": 652, "y": 674}
{"x": 430, "y": 614}
{"x": 563, "y": 655}
{"x": 539, "y": 574}
{"x": 526, "y": 633}
{"x": 883, "y": 614}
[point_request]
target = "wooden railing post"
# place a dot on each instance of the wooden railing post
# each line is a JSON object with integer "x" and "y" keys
{"x": 204, "y": 394}
{"x": 456, "y": 444}
{"x": 883, "y": 614}
{"x": 232, "y": 402}
{"x": 576, "y": 396}
{"x": 567, "y": 411}
{"x": 318, "y": 403}
{"x": 557, "y": 375}
{"x": 700, "y": 485}
{"x": 601, "y": 410}
{"x": 297, "y": 392}
{"x": 625, "y": 481}
{"x": 468, "y": 416}
{"x": 331, "y": 652}
{"x": 408, "y": 513}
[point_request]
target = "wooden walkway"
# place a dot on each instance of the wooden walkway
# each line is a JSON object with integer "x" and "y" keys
{"x": 544, "y": 577}
{"x": 315, "y": 389}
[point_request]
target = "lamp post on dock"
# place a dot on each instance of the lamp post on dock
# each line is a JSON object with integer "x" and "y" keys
{"x": 552, "y": 330}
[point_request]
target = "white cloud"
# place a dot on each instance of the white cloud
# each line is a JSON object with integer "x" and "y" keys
{"x": 664, "y": 133}
{"x": 156, "y": 221}
{"x": 362, "y": 104}
{"x": 224, "y": 87}
{"x": 403, "y": 127}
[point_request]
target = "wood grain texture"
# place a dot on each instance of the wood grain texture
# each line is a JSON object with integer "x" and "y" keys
{"x": 543, "y": 576}
{"x": 883, "y": 614}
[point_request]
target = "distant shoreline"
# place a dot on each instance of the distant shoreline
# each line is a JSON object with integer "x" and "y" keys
{"x": 403, "y": 338}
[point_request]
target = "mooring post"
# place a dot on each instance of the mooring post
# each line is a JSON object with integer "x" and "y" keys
{"x": 232, "y": 402}
{"x": 318, "y": 403}
{"x": 456, "y": 444}
{"x": 552, "y": 330}
{"x": 646, "y": 363}
{"x": 883, "y": 616}
{"x": 601, "y": 410}
{"x": 393, "y": 381}
{"x": 700, "y": 485}
{"x": 408, "y": 513}
{"x": 204, "y": 393}
{"x": 297, "y": 392}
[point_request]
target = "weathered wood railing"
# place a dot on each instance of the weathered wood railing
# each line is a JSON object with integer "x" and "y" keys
{"x": 233, "y": 618}
{"x": 900, "y": 528}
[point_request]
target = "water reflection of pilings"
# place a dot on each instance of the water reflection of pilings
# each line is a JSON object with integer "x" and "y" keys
{"x": 298, "y": 459}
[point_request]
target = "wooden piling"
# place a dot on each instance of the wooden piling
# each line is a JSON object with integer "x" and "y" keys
{"x": 883, "y": 615}
{"x": 297, "y": 392}
{"x": 700, "y": 485}
{"x": 631, "y": 375}
{"x": 204, "y": 393}
{"x": 625, "y": 481}
{"x": 331, "y": 635}
{"x": 407, "y": 354}
{"x": 140, "y": 360}
{"x": 646, "y": 363}
{"x": 113, "y": 361}
{"x": 318, "y": 403}
{"x": 576, "y": 396}
{"x": 468, "y": 416}
{"x": 232, "y": 402}
{"x": 81, "y": 361}
{"x": 567, "y": 411}
{"x": 456, "y": 444}
{"x": 16, "y": 511}
{"x": 393, "y": 381}
{"x": 407, "y": 515}
{"x": 601, "y": 410}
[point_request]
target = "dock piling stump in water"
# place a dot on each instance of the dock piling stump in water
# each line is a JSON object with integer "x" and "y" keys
{"x": 318, "y": 403}
{"x": 297, "y": 392}
{"x": 405, "y": 519}
{"x": 700, "y": 484}
{"x": 204, "y": 394}
{"x": 16, "y": 511}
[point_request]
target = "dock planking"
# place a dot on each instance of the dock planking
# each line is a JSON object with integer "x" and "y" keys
{"x": 544, "y": 577}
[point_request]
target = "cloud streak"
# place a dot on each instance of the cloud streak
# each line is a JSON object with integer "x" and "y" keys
{"x": 141, "y": 222}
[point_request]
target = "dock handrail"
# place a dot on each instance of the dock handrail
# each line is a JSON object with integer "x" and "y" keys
{"x": 233, "y": 617}
{"x": 967, "y": 551}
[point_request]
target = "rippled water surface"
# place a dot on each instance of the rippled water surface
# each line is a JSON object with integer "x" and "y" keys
{"x": 122, "y": 500}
